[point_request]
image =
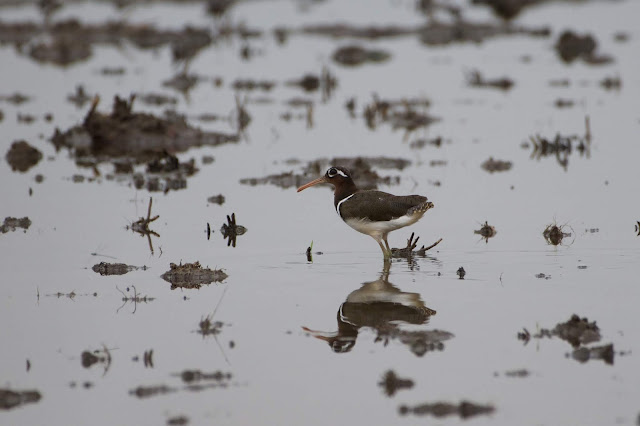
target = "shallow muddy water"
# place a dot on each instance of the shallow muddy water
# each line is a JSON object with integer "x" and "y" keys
{"x": 285, "y": 340}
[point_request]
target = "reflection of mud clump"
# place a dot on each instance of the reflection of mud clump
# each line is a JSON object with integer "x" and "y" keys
{"x": 391, "y": 383}
{"x": 104, "y": 268}
{"x": 192, "y": 376}
{"x": 124, "y": 133}
{"x": 441, "y": 409}
{"x": 22, "y": 156}
{"x": 401, "y": 114}
{"x": 10, "y": 399}
{"x": 192, "y": 275}
{"x": 492, "y": 165}
{"x": 584, "y": 354}
{"x": 419, "y": 342}
{"x": 571, "y": 46}
{"x": 356, "y": 55}
{"x": 231, "y": 230}
{"x": 554, "y": 234}
{"x": 12, "y": 223}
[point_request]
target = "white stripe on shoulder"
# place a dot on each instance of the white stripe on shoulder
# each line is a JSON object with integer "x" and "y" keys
{"x": 340, "y": 203}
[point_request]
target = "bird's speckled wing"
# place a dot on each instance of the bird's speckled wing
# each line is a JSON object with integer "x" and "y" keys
{"x": 381, "y": 206}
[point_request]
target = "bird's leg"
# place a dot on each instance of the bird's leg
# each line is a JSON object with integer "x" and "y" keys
{"x": 386, "y": 243}
{"x": 385, "y": 252}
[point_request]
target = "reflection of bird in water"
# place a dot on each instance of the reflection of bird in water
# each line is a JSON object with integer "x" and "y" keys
{"x": 377, "y": 304}
{"x": 374, "y": 213}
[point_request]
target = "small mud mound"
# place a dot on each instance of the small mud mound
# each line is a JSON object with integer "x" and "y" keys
{"x": 475, "y": 79}
{"x": 22, "y": 156}
{"x": 464, "y": 409}
{"x": 12, "y": 223}
{"x": 192, "y": 275}
{"x": 554, "y": 234}
{"x": 10, "y": 399}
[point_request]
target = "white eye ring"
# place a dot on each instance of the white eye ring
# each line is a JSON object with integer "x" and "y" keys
{"x": 332, "y": 172}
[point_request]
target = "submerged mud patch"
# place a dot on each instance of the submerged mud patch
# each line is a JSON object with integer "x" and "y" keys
{"x": 192, "y": 275}
{"x": 492, "y": 166}
{"x": 11, "y": 399}
{"x": 464, "y": 409}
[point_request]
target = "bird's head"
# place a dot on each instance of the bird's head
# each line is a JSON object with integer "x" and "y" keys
{"x": 336, "y": 176}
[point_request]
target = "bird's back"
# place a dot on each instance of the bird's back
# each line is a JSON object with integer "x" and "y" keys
{"x": 382, "y": 206}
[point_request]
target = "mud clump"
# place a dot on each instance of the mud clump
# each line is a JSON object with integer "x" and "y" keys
{"x": 355, "y": 55}
{"x": 486, "y": 231}
{"x": 140, "y": 136}
{"x": 577, "y": 331}
{"x": 192, "y": 275}
{"x": 391, "y": 383}
{"x": 13, "y": 223}
{"x": 571, "y": 46}
{"x": 10, "y": 399}
{"x": 148, "y": 391}
{"x": 404, "y": 114}
{"x": 409, "y": 250}
{"x": 464, "y": 409}
{"x": 216, "y": 199}
{"x": 554, "y": 234}
{"x": 104, "y": 268}
{"x": 492, "y": 166}
{"x": 22, "y": 156}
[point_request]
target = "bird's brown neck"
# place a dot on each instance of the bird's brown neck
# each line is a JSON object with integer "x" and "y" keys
{"x": 343, "y": 191}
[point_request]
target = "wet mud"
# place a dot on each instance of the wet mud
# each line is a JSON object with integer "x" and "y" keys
{"x": 571, "y": 46}
{"x": 192, "y": 276}
{"x": 475, "y": 79}
{"x": 464, "y": 409}
{"x": 192, "y": 381}
{"x": 554, "y": 234}
{"x": 11, "y": 224}
{"x": 491, "y": 165}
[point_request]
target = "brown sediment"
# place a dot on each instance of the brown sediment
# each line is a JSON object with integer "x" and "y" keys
{"x": 492, "y": 165}
{"x": 11, "y": 399}
{"x": 391, "y": 383}
{"x": 464, "y": 409}
{"x": 475, "y": 79}
{"x": 486, "y": 231}
{"x": 356, "y": 55}
{"x": 571, "y": 46}
{"x": 104, "y": 268}
{"x": 13, "y": 223}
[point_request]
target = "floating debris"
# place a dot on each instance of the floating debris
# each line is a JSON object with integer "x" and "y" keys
{"x": 409, "y": 251}
{"x": 182, "y": 82}
{"x": 486, "y": 231}
{"x": 10, "y": 399}
{"x": 178, "y": 421}
{"x": 442, "y": 409}
{"x": 192, "y": 275}
{"x": 12, "y": 223}
{"x": 475, "y": 79}
{"x": 208, "y": 327}
{"x": 571, "y": 46}
{"x": 264, "y": 85}
{"x": 352, "y": 56}
{"x": 192, "y": 376}
{"x": 460, "y": 31}
{"x": 16, "y": 98}
{"x": 491, "y": 165}
{"x": 22, "y": 156}
{"x": 521, "y": 373}
{"x": 563, "y": 103}
{"x": 391, "y": 383}
{"x": 79, "y": 97}
{"x": 104, "y": 268}
{"x": 231, "y": 230}
{"x": 421, "y": 143}
{"x": 156, "y": 99}
{"x": 543, "y": 276}
{"x": 507, "y": 9}
{"x": 561, "y": 146}
{"x": 147, "y": 358}
{"x": 401, "y": 114}
{"x": 461, "y": 273}
{"x": 611, "y": 83}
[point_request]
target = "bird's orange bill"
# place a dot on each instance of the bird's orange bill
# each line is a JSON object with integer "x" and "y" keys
{"x": 313, "y": 182}
{"x": 322, "y": 335}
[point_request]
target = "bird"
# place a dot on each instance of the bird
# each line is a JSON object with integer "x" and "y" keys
{"x": 371, "y": 212}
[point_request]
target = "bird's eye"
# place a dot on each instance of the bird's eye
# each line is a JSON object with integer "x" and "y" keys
{"x": 332, "y": 172}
